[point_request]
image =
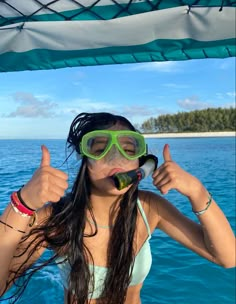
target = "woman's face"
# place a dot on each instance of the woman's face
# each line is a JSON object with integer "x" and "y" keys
{"x": 100, "y": 171}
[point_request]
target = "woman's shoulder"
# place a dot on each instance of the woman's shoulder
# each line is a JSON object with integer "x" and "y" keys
{"x": 150, "y": 201}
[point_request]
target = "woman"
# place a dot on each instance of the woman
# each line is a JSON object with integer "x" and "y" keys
{"x": 100, "y": 235}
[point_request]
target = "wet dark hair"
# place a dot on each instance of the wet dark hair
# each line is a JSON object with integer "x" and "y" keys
{"x": 87, "y": 122}
{"x": 64, "y": 232}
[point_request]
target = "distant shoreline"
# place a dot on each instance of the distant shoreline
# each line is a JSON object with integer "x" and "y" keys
{"x": 192, "y": 134}
{"x": 152, "y": 135}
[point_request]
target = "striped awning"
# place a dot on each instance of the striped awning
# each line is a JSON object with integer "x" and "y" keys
{"x": 66, "y": 33}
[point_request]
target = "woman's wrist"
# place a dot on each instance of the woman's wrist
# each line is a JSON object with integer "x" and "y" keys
{"x": 21, "y": 208}
{"x": 207, "y": 205}
{"x": 18, "y": 224}
{"x": 199, "y": 197}
{"x": 24, "y": 197}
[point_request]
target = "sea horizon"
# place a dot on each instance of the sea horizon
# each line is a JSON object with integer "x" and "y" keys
{"x": 146, "y": 135}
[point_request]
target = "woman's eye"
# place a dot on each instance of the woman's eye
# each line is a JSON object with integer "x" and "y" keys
{"x": 98, "y": 146}
{"x": 98, "y": 149}
{"x": 129, "y": 151}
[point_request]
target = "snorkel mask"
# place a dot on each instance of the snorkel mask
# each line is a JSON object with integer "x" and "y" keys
{"x": 97, "y": 144}
{"x": 130, "y": 144}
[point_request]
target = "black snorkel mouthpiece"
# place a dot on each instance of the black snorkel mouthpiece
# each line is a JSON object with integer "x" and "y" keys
{"x": 124, "y": 179}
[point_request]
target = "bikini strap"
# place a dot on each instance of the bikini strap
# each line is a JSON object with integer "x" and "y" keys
{"x": 143, "y": 216}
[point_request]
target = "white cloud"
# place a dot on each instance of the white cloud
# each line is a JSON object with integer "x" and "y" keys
{"x": 227, "y": 95}
{"x": 87, "y": 105}
{"x": 135, "y": 113}
{"x": 140, "y": 113}
{"x": 175, "y": 85}
{"x": 43, "y": 96}
{"x": 32, "y": 106}
{"x": 228, "y": 105}
{"x": 192, "y": 103}
{"x": 136, "y": 110}
{"x": 165, "y": 67}
{"x": 225, "y": 65}
{"x": 77, "y": 83}
{"x": 231, "y": 94}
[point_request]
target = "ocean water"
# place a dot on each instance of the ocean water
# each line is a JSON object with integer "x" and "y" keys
{"x": 177, "y": 275}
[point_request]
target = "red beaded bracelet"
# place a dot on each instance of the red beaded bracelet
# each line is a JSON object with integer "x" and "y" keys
{"x": 19, "y": 206}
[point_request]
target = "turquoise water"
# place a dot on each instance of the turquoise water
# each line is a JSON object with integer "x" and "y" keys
{"x": 177, "y": 275}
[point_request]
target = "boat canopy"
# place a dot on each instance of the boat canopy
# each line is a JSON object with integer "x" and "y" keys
{"x": 47, "y": 34}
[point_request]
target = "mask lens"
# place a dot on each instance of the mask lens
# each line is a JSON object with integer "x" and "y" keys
{"x": 95, "y": 145}
{"x": 133, "y": 146}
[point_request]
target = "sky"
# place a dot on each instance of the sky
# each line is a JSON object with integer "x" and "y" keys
{"x": 42, "y": 104}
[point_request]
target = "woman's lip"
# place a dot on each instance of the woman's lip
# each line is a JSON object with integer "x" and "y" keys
{"x": 115, "y": 170}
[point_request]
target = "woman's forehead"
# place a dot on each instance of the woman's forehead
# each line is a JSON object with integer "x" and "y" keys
{"x": 119, "y": 126}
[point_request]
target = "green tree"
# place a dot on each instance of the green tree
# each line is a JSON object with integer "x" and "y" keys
{"x": 211, "y": 119}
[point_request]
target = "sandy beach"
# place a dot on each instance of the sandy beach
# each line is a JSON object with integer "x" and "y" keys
{"x": 195, "y": 134}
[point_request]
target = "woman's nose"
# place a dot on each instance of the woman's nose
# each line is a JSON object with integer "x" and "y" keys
{"x": 114, "y": 153}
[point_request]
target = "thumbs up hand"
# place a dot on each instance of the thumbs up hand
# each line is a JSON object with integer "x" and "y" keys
{"x": 171, "y": 176}
{"x": 47, "y": 184}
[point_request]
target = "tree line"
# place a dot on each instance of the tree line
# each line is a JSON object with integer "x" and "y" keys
{"x": 207, "y": 120}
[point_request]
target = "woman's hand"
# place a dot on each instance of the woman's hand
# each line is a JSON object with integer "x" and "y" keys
{"x": 170, "y": 176}
{"x": 46, "y": 185}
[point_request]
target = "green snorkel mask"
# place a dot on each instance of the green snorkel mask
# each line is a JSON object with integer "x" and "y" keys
{"x": 97, "y": 144}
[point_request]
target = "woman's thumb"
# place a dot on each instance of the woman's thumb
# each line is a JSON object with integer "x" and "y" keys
{"x": 166, "y": 153}
{"x": 45, "y": 160}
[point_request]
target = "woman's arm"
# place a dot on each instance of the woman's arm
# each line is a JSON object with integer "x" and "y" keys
{"x": 213, "y": 238}
{"x": 13, "y": 252}
{"x": 47, "y": 185}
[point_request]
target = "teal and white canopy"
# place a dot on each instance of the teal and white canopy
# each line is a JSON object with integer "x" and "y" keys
{"x": 47, "y": 34}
